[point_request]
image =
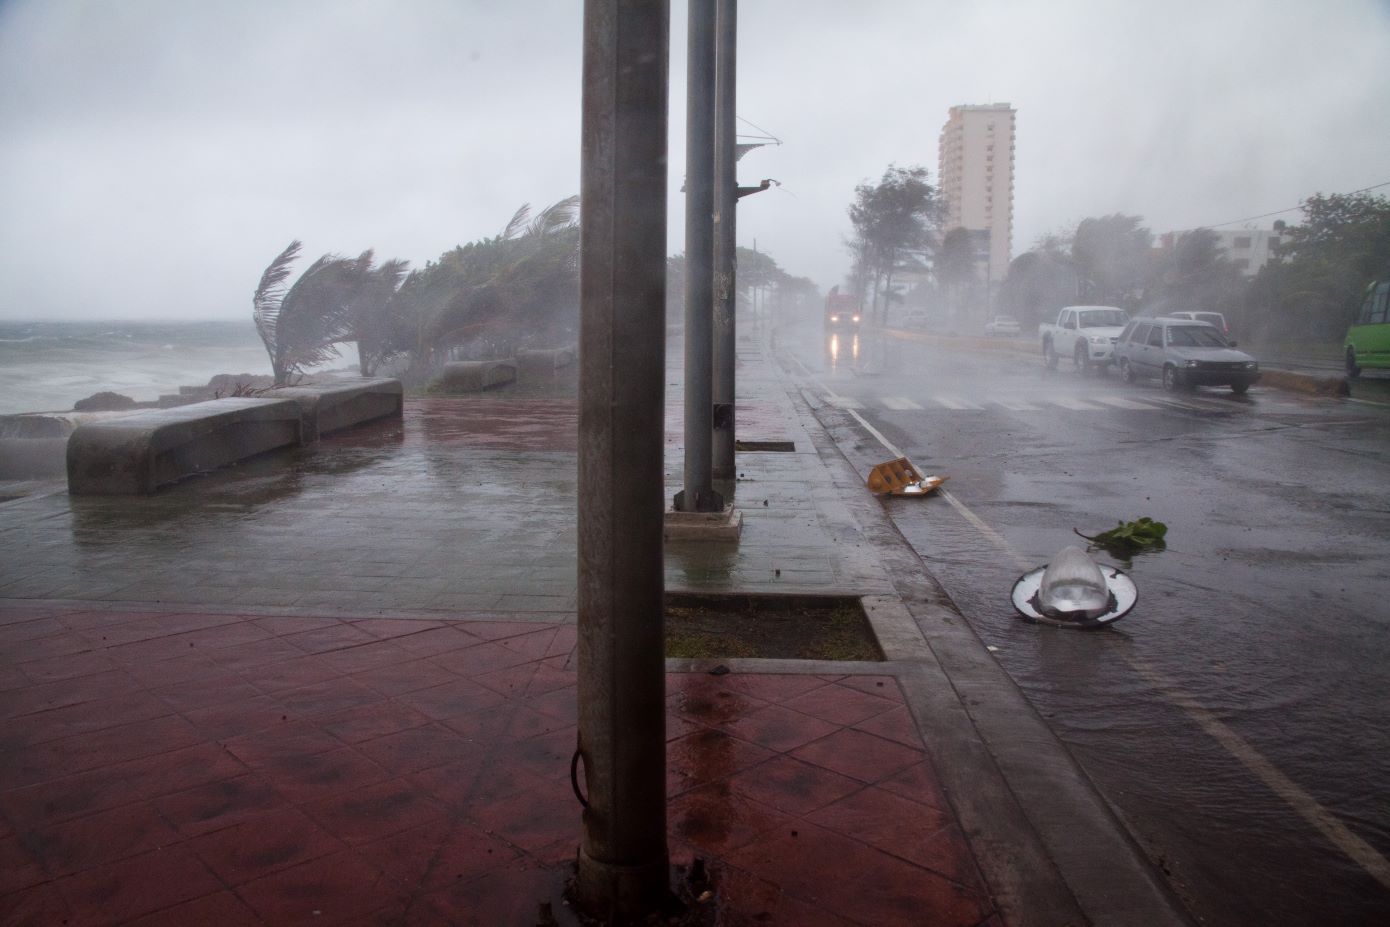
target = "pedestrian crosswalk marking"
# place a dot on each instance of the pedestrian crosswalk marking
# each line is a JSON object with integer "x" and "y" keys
{"x": 959, "y": 405}
{"x": 1066, "y": 402}
{"x": 1154, "y": 403}
{"x": 1118, "y": 403}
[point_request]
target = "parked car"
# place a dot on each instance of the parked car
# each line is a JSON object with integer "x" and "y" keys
{"x": 1086, "y": 334}
{"x": 916, "y": 319}
{"x": 1184, "y": 353}
{"x": 1002, "y": 325}
{"x": 1214, "y": 319}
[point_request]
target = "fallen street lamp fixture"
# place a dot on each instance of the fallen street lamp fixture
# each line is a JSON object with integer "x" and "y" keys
{"x": 1073, "y": 591}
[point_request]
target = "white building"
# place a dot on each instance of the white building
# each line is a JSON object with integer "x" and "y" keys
{"x": 1248, "y": 249}
{"x": 976, "y": 171}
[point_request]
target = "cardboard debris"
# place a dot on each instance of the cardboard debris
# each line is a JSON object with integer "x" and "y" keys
{"x": 900, "y": 478}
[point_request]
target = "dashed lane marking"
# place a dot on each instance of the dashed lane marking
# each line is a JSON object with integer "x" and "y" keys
{"x": 900, "y": 403}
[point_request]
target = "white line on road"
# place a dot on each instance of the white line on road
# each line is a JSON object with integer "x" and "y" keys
{"x": 1308, "y": 807}
{"x": 959, "y": 405}
{"x": 1077, "y": 405}
{"x": 1118, "y": 403}
{"x": 1017, "y": 405}
{"x": 1365, "y": 855}
{"x": 900, "y": 403}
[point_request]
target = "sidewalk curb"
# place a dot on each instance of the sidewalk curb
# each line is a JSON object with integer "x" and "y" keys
{"x": 1051, "y": 847}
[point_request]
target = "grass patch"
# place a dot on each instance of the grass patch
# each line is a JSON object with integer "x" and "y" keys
{"x": 773, "y": 627}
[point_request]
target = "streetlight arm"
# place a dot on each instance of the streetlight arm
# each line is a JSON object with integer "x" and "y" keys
{"x": 741, "y": 192}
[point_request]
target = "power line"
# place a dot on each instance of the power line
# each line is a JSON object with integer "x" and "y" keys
{"x": 766, "y": 133}
{"x": 1280, "y": 212}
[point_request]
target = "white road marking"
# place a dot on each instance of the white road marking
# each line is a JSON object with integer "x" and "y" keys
{"x": 1361, "y": 852}
{"x": 1066, "y": 402}
{"x": 1017, "y": 405}
{"x": 959, "y": 405}
{"x": 1307, "y": 807}
{"x": 844, "y": 402}
{"x": 900, "y": 403}
{"x": 1118, "y": 403}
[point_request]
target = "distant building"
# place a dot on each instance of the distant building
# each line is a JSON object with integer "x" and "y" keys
{"x": 976, "y": 171}
{"x": 1248, "y": 249}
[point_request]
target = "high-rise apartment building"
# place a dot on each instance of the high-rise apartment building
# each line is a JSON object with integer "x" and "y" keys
{"x": 976, "y": 171}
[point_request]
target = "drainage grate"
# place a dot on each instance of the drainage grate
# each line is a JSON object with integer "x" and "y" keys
{"x": 782, "y": 446}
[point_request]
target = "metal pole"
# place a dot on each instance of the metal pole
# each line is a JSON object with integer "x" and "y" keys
{"x": 623, "y": 866}
{"x": 698, "y": 494}
{"x": 725, "y": 218}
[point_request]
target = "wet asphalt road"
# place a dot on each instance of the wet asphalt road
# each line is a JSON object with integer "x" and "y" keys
{"x": 1239, "y": 718}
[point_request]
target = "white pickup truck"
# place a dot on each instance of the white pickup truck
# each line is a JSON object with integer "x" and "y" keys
{"x": 1085, "y": 333}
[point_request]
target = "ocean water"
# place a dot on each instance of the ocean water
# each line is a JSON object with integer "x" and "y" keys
{"x": 47, "y": 366}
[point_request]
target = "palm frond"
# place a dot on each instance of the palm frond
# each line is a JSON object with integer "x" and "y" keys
{"x": 270, "y": 294}
{"x": 315, "y": 313}
{"x": 555, "y": 217}
{"x": 517, "y": 223}
{"x": 393, "y": 272}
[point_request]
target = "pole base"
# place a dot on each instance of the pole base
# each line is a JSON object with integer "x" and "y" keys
{"x": 615, "y": 894}
{"x": 725, "y": 525}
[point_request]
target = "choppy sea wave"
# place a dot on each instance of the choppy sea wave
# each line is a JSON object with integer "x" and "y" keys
{"x": 47, "y": 366}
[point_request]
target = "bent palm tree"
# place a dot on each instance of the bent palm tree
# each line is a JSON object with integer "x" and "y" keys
{"x": 300, "y": 325}
{"x": 375, "y": 314}
{"x": 520, "y": 281}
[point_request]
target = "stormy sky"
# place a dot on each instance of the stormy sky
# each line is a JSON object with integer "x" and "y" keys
{"x": 156, "y": 154}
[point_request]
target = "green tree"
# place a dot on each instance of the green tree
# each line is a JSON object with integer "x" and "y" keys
{"x": 374, "y": 318}
{"x": 1111, "y": 255}
{"x": 518, "y": 287}
{"x": 957, "y": 269}
{"x": 1039, "y": 283}
{"x": 756, "y": 273}
{"x": 1314, "y": 285}
{"x": 1195, "y": 274}
{"x": 893, "y": 222}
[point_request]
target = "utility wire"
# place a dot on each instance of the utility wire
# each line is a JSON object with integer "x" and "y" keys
{"x": 1279, "y": 212}
{"x": 766, "y": 133}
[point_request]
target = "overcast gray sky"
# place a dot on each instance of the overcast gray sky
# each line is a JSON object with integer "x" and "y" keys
{"x": 156, "y": 154}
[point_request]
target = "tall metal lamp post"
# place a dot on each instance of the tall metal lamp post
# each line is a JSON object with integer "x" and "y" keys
{"x": 623, "y": 871}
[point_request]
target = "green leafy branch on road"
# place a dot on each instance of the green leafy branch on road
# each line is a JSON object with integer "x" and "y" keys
{"x": 1130, "y": 537}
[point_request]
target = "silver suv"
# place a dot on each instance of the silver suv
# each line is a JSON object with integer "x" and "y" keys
{"x": 1185, "y": 353}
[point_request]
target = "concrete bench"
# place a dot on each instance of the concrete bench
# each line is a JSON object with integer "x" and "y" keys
{"x": 35, "y": 444}
{"x": 547, "y": 361}
{"x": 473, "y": 376}
{"x": 143, "y": 451}
{"x": 338, "y": 404}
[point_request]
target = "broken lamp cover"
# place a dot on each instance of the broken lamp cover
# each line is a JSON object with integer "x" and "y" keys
{"x": 1074, "y": 591}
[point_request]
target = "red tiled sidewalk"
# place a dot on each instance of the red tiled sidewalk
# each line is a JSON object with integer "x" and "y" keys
{"x": 180, "y": 769}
